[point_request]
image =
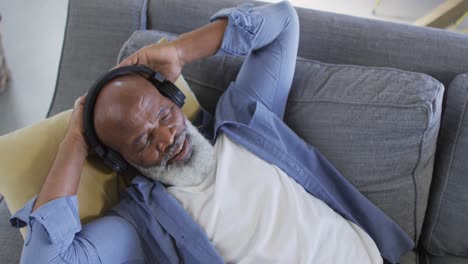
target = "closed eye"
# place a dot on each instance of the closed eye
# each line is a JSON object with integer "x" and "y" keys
{"x": 147, "y": 141}
{"x": 168, "y": 115}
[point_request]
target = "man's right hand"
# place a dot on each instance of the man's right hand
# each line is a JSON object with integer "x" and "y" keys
{"x": 63, "y": 178}
{"x": 160, "y": 57}
{"x": 75, "y": 132}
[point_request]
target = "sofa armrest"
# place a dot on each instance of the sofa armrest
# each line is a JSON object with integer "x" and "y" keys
{"x": 95, "y": 31}
{"x": 11, "y": 240}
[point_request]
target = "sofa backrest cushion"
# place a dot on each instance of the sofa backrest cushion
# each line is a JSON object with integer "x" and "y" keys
{"x": 340, "y": 39}
{"x": 446, "y": 226}
{"x": 378, "y": 126}
{"x": 95, "y": 31}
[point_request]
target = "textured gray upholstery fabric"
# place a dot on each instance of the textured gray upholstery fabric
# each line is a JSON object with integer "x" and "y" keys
{"x": 409, "y": 258}
{"x": 446, "y": 229}
{"x": 190, "y": 14}
{"x": 447, "y": 259}
{"x": 378, "y": 126}
{"x": 11, "y": 241}
{"x": 340, "y": 39}
{"x": 209, "y": 77}
{"x": 94, "y": 34}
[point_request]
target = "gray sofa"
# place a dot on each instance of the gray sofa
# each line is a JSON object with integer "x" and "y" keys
{"x": 415, "y": 171}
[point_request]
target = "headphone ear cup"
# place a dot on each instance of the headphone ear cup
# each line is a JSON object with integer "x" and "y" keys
{"x": 169, "y": 90}
{"x": 115, "y": 161}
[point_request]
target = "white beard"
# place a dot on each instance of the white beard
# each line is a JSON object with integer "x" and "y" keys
{"x": 200, "y": 164}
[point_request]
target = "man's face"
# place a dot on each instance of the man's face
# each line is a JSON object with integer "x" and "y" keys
{"x": 147, "y": 128}
{"x": 156, "y": 134}
{"x": 152, "y": 133}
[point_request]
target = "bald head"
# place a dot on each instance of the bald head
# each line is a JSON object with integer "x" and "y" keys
{"x": 118, "y": 100}
{"x": 128, "y": 107}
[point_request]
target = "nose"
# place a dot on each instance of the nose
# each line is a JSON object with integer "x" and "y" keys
{"x": 165, "y": 136}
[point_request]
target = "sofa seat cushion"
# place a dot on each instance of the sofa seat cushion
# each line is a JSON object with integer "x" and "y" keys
{"x": 446, "y": 229}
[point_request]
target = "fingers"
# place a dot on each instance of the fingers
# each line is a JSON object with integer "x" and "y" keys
{"x": 80, "y": 100}
{"x": 77, "y": 102}
{"x": 139, "y": 57}
{"x": 132, "y": 60}
{"x": 126, "y": 62}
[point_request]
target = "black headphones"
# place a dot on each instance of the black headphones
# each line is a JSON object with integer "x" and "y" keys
{"x": 112, "y": 158}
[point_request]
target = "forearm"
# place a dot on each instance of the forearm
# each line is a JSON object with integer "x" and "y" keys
{"x": 202, "y": 42}
{"x": 108, "y": 239}
{"x": 253, "y": 28}
{"x": 64, "y": 175}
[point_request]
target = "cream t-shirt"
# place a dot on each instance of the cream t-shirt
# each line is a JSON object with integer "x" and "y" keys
{"x": 254, "y": 213}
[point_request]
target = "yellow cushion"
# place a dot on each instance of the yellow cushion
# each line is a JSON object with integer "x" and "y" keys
{"x": 26, "y": 156}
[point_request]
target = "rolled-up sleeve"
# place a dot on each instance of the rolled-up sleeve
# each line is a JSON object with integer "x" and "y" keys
{"x": 51, "y": 231}
{"x": 55, "y": 235}
{"x": 59, "y": 218}
{"x": 240, "y": 36}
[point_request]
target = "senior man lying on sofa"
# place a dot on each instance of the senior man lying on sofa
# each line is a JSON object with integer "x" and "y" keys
{"x": 256, "y": 194}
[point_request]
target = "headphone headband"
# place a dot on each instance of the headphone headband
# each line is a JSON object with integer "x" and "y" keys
{"x": 112, "y": 158}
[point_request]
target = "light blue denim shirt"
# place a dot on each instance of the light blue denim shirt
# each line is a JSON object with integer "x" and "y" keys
{"x": 149, "y": 225}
